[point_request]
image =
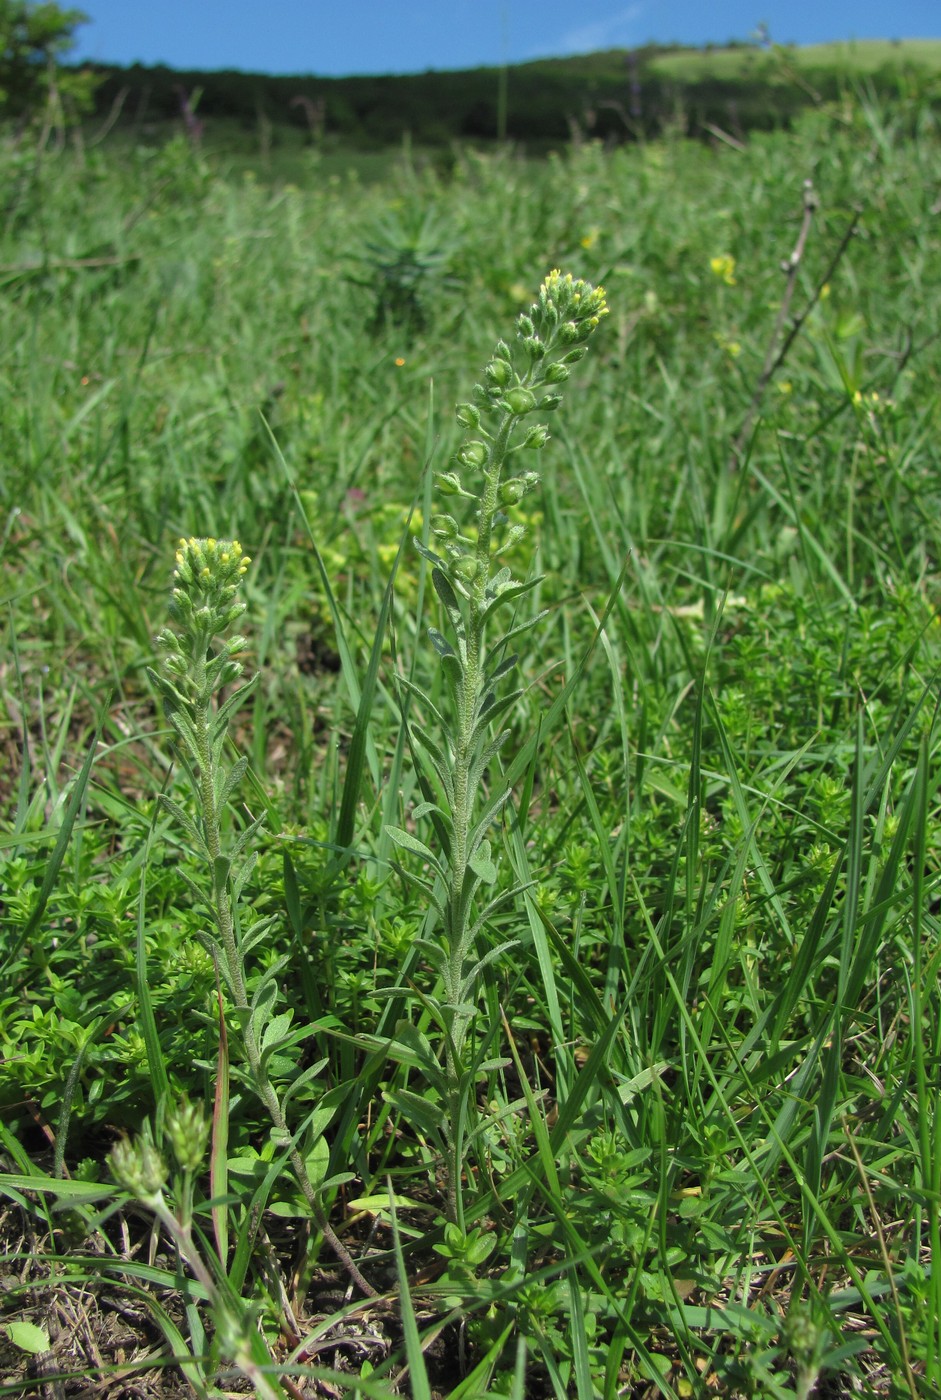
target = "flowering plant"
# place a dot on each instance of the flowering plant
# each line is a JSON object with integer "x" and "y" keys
{"x": 475, "y": 588}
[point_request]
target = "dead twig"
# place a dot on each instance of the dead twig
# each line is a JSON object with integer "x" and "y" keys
{"x": 779, "y": 348}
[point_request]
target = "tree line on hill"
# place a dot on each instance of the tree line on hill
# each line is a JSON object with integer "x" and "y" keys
{"x": 614, "y": 96}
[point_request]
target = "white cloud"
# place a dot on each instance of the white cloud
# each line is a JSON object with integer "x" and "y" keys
{"x": 615, "y": 32}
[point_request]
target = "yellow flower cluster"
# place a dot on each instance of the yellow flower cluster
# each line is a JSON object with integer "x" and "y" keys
{"x": 196, "y": 551}
{"x": 575, "y": 300}
{"x": 723, "y": 266}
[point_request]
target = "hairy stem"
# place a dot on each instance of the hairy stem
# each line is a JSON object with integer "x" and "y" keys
{"x": 222, "y": 910}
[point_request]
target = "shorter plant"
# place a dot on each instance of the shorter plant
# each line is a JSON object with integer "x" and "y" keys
{"x": 140, "y": 1168}
{"x": 404, "y": 265}
{"x": 200, "y": 662}
{"x": 474, "y": 587}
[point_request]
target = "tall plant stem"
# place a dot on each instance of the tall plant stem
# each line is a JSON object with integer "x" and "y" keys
{"x": 548, "y": 342}
{"x": 225, "y": 925}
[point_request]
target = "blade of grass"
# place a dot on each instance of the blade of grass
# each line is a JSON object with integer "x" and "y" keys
{"x": 420, "y": 1388}
{"x": 54, "y": 864}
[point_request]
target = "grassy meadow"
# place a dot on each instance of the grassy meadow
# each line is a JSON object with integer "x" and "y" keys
{"x": 676, "y": 1132}
{"x": 852, "y": 59}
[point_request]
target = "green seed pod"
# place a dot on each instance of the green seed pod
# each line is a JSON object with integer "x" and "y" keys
{"x": 466, "y": 568}
{"x": 537, "y": 436}
{"x": 512, "y": 491}
{"x": 468, "y": 416}
{"x": 499, "y": 373}
{"x": 535, "y": 347}
{"x": 473, "y": 454}
{"x": 550, "y": 402}
{"x": 520, "y": 401}
{"x": 556, "y": 374}
{"x": 444, "y": 526}
{"x": 448, "y": 484}
{"x": 525, "y": 328}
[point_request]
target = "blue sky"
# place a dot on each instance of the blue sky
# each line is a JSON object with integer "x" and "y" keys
{"x": 403, "y": 36}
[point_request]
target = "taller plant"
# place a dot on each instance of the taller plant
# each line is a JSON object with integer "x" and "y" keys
{"x": 478, "y": 594}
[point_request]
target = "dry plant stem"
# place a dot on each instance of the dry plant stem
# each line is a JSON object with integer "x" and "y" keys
{"x": 777, "y": 354}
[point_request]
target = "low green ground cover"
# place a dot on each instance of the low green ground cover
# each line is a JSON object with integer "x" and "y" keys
{"x": 851, "y": 59}
{"x": 699, "y": 1142}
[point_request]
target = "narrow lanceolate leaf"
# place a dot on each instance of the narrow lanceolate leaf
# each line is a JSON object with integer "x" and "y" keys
{"x": 454, "y": 674}
{"x": 509, "y": 595}
{"x": 441, "y": 644}
{"x": 501, "y": 668}
{"x": 418, "y": 1110}
{"x": 424, "y": 700}
{"x": 231, "y": 783}
{"x": 482, "y": 864}
{"x": 429, "y": 554}
{"x": 242, "y": 875}
{"x": 187, "y": 824}
{"x": 276, "y": 1030}
{"x": 504, "y": 898}
{"x": 257, "y": 932}
{"x": 406, "y": 842}
{"x": 244, "y": 837}
{"x": 430, "y": 745}
{"x": 482, "y": 762}
{"x": 220, "y": 720}
{"x": 526, "y": 626}
{"x": 487, "y": 819}
{"x": 492, "y": 713}
{"x": 446, "y": 593}
{"x": 494, "y": 955}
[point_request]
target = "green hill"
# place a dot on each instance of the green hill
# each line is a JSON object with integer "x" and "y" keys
{"x": 614, "y": 96}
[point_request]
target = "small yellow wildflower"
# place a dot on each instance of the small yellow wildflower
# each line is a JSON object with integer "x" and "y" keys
{"x": 723, "y": 266}
{"x": 731, "y": 347}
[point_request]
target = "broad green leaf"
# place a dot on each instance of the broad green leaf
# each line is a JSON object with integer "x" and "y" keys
{"x": 27, "y": 1336}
